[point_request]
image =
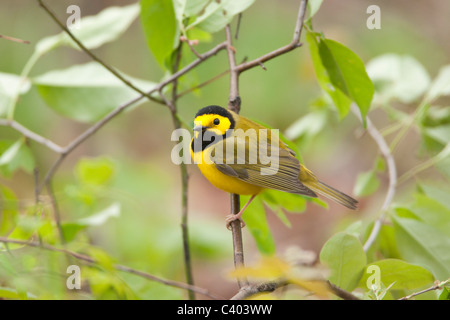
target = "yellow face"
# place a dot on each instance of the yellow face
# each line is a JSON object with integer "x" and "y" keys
{"x": 214, "y": 123}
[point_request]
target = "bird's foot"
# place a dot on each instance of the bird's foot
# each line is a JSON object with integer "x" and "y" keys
{"x": 232, "y": 217}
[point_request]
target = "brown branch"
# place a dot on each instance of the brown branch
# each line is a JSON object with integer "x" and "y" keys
{"x": 234, "y": 104}
{"x": 437, "y": 285}
{"x": 31, "y": 135}
{"x": 93, "y": 129}
{"x": 265, "y": 287}
{"x": 14, "y": 39}
{"x": 184, "y": 180}
{"x": 295, "y": 43}
{"x": 119, "y": 267}
{"x": 92, "y": 55}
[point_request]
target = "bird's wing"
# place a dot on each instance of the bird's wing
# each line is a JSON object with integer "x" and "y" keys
{"x": 266, "y": 165}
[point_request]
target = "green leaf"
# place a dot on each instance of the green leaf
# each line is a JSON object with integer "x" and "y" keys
{"x": 398, "y": 77}
{"x": 70, "y": 230}
{"x": 440, "y": 133}
{"x": 14, "y": 156}
{"x": 217, "y": 14}
{"x": 345, "y": 257}
{"x": 366, "y": 183}
{"x": 9, "y": 210}
{"x": 256, "y": 221}
{"x": 160, "y": 28}
{"x": 313, "y": 7}
{"x": 9, "y": 154}
{"x": 86, "y": 92}
{"x": 94, "y": 31}
{"x": 9, "y": 293}
{"x": 340, "y": 100}
{"x": 432, "y": 212}
{"x": 403, "y": 275}
{"x": 440, "y": 86}
{"x": 423, "y": 245}
{"x": 293, "y": 203}
{"x": 95, "y": 171}
{"x": 307, "y": 126}
{"x": 9, "y": 85}
{"x": 437, "y": 192}
{"x": 445, "y": 294}
{"x": 346, "y": 72}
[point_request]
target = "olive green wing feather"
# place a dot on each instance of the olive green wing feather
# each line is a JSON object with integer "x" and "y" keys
{"x": 265, "y": 169}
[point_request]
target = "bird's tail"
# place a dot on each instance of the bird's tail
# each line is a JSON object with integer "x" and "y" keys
{"x": 309, "y": 180}
{"x": 332, "y": 193}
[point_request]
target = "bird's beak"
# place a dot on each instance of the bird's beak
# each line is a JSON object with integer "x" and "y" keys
{"x": 199, "y": 128}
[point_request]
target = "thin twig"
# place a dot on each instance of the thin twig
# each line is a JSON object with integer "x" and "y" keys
{"x": 119, "y": 267}
{"x": 392, "y": 171}
{"x": 93, "y": 129}
{"x": 253, "y": 289}
{"x": 31, "y": 135}
{"x": 14, "y": 39}
{"x": 172, "y": 105}
{"x": 201, "y": 85}
{"x": 291, "y": 46}
{"x": 265, "y": 287}
{"x": 92, "y": 55}
{"x": 438, "y": 285}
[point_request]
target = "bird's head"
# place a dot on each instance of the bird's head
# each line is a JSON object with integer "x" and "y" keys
{"x": 214, "y": 120}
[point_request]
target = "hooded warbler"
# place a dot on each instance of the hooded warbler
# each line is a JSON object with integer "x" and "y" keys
{"x": 216, "y": 149}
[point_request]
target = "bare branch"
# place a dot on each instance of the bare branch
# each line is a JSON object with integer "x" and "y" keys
{"x": 392, "y": 170}
{"x": 92, "y": 55}
{"x": 291, "y": 46}
{"x": 119, "y": 267}
{"x": 31, "y": 135}
{"x": 14, "y": 39}
{"x": 234, "y": 103}
{"x": 437, "y": 285}
{"x": 265, "y": 287}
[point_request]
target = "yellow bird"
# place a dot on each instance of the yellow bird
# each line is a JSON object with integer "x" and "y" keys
{"x": 249, "y": 160}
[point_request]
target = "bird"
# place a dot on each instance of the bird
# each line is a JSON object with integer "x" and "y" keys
{"x": 231, "y": 152}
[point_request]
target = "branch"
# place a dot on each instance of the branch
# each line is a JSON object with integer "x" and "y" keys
{"x": 437, "y": 285}
{"x": 234, "y": 103}
{"x": 295, "y": 43}
{"x": 172, "y": 105}
{"x": 119, "y": 267}
{"x": 90, "y": 131}
{"x": 14, "y": 39}
{"x": 265, "y": 287}
{"x": 92, "y": 55}
{"x": 31, "y": 135}
{"x": 392, "y": 170}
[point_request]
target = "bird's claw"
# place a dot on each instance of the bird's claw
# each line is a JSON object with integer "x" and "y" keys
{"x": 232, "y": 217}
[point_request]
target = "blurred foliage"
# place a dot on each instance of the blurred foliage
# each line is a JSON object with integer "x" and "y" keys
{"x": 117, "y": 196}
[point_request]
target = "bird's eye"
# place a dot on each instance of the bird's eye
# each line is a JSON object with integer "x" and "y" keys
{"x": 216, "y": 121}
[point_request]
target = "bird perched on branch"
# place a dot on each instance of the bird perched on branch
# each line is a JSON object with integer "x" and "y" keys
{"x": 242, "y": 157}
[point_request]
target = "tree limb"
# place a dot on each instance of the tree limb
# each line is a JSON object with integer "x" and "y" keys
{"x": 119, "y": 267}
{"x": 392, "y": 171}
{"x": 31, "y": 135}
